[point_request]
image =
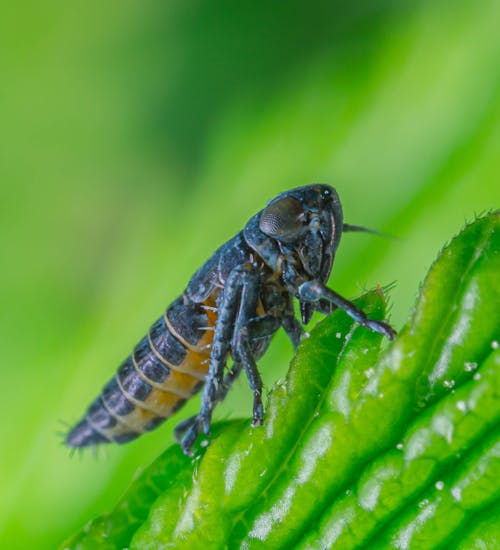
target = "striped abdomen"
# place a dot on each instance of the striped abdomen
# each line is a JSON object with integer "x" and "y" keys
{"x": 166, "y": 368}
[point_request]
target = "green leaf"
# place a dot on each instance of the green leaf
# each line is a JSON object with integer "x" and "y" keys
{"x": 482, "y": 532}
{"x": 360, "y": 448}
{"x": 165, "y": 480}
{"x": 472, "y": 485}
{"x": 170, "y": 474}
{"x": 431, "y": 445}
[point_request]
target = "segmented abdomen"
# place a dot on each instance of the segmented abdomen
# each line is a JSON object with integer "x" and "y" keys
{"x": 166, "y": 368}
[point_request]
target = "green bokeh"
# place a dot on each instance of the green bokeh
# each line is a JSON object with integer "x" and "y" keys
{"x": 136, "y": 137}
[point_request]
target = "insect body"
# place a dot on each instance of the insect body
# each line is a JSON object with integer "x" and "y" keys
{"x": 231, "y": 308}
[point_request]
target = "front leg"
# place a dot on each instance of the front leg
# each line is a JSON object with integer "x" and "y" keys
{"x": 315, "y": 291}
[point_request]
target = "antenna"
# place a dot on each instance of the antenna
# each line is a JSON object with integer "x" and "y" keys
{"x": 361, "y": 229}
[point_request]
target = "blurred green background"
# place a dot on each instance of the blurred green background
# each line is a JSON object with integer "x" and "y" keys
{"x": 138, "y": 136}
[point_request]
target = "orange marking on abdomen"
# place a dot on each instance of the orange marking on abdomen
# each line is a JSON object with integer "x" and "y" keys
{"x": 161, "y": 401}
{"x": 167, "y": 385}
{"x": 195, "y": 363}
{"x": 205, "y": 340}
{"x": 122, "y": 426}
{"x": 182, "y": 382}
{"x": 148, "y": 404}
{"x": 176, "y": 368}
{"x": 135, "y": 421}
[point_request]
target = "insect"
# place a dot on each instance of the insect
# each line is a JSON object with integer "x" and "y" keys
{"x": 230, "y": 308}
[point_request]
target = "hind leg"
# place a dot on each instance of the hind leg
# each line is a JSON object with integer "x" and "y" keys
{"x": 181, "y": 428}
{"x": 243, "y": 284}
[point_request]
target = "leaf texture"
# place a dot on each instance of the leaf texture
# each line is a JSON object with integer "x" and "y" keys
{"x": 362, "y": 447}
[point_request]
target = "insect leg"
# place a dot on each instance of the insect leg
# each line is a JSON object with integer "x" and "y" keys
{"x": 183, "y": 427}
{"x": 263, "y": 326}
{"x": 290, "y": 323}
{"x": 254, "y": 379}
{"x": 325, "y": 307}
{"x": 253, "y": 375}
{"x": 293, "y": 329}
{"x": 224, "y": 329}
{"x": 315, "y": 291}
{"x": 266, "y": 325}
{"x": 230, "y": 377}
{"x": 246, "y": 328}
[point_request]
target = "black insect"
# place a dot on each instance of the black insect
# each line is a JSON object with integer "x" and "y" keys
{"x": 231, "y": 307}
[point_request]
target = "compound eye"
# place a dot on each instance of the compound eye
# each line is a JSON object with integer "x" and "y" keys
{"x": 282, "y": 219}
